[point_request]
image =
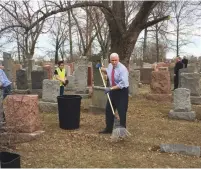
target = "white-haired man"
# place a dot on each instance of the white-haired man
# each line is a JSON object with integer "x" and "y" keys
{"x": 118, "y": 91}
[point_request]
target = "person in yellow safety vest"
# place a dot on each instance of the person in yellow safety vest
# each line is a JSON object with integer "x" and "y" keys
{"x": 60, "y": 74}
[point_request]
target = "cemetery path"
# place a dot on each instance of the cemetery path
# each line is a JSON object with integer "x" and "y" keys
{"x": 148, "y": 123}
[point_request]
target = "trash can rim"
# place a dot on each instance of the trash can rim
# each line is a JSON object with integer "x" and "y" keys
{"x": 69, "y": 97}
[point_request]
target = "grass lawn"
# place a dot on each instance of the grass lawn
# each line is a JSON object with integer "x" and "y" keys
{"x": 147, "y": 122}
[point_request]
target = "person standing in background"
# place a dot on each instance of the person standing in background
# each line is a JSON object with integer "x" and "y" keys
{"x": 185, "y": 62}
{"x": 60, "y": 74}
{"x": 178, "y": 65}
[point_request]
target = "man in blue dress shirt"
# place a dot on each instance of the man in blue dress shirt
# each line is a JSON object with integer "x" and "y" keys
{"x": 118, "y": 91}
{"x": 5, "y": 85}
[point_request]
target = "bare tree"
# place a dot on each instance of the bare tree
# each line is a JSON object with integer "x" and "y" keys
{"x": 123, "y": 38}
{"x": 59, "y": 33}
{"x": 183, "y": 19}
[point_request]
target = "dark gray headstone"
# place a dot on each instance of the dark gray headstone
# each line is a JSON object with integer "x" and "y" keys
{"x": 21, "y": 79}
{"x": 37, "y": 78}
{"x": 191, "y": 81}
{"x": 96, "y": 74}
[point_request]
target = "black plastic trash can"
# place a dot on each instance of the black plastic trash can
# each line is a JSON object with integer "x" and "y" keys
{"x": 9, "y": 160}
{"x": 69, "y": 111}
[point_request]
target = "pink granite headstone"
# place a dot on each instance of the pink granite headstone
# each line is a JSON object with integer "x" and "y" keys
{"x": 160, "y": 82}
{"x": 22, "y": 113}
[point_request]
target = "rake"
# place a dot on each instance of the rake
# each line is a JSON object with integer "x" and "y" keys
{"x": 119, "y": 132}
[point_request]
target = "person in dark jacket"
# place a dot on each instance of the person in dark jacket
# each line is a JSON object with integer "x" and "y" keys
{"x": 185, "y": 62}
{"x": 178, "y": 65}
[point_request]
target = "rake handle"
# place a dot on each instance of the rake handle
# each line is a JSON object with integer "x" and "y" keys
{"x": 108, "y": 96}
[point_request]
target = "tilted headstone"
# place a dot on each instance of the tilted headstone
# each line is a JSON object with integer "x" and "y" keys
{"x": 37, "y": 78}
{"x": 21, "y": 79}
{"x": 51, "y": 89}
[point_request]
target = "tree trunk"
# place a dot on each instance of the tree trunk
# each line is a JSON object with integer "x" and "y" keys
{"x": 29, "y": 69}
{"x": 144, "y": 48}
{"x": 157, "y": 44}
{"x": 56, "y": 55}
{"x": 177, "y": 39}
{"x": 70, "y": 34}
{"x": 123, "y": 45}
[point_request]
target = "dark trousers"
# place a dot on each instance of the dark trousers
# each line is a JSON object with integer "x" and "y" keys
{"x": 6, "y": 92}
{"x": 61, "y": 90}
{"x": 119, "y": 99}
{"x": 176, "y": 81}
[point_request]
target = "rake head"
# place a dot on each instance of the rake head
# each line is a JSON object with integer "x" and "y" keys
{"x": 119, "y": 133}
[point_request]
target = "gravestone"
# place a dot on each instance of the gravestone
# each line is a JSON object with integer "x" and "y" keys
{"x": 181, "y": 149}
{"x": 15, "y": 67}
{"x": 191, "y": 81}
{"x": 71, "y": 67}
{"x": 160, "y": 82}
{"x": 160, "y": 86}
{"x": 99, "y": 100}
{"x": 51, "y": 89}
{"x": 48, "y": 69}
{"x": 189, "y": 69}
{"x": 81, "y": 61}
{"x": 22, "y": 113}
{"x": 40, "y": 68}
{"x": 182, "y": 105}
{"x": 21, "y": 79}
{"x": 134, "y": 80}
{"x": 81, "y": 74}
{"x": 7, "y": 63}
{"x": 37, "y": 78}
{"x": 97, "y": 80}
{"x": 145, "y": 75}
{"x": 71, "y": 82}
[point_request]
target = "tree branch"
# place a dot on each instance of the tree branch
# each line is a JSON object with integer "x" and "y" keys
{"x": 151, "y": 23}
{"x": 63, "y": 9}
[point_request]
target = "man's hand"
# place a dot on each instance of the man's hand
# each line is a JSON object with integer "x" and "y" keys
{"x": 98, "y": 65}
{"x": 107, "y": 90}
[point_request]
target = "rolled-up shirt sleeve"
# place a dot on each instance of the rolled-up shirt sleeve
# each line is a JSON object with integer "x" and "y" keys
{"x": 123, "y": 80}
